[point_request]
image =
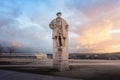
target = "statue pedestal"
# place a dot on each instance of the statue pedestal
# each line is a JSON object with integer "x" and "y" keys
{"x": 60, "y": 59}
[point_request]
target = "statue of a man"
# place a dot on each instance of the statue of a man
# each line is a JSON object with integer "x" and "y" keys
{"x": 60, "y": 43}
{"x": 60, "y": 30}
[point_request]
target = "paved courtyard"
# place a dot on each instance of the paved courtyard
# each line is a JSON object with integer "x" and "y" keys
{"x": 79, "y": 69}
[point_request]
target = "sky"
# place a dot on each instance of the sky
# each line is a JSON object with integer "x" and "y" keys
{"x": 94, "y": 25}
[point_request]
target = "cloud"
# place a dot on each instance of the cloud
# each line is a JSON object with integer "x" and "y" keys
{"x": 23, "y": 30}
{"x": 97, "y": 34}
{"x": 24, "y": 24}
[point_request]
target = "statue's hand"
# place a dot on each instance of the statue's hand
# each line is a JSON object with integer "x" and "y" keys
{"x": 52, "y": 26}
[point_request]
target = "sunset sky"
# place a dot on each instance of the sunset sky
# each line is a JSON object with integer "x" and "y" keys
{"x": 94, "y": 25}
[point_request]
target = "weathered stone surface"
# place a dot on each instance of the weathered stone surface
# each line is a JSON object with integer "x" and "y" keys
{"x": 59, "y": 28}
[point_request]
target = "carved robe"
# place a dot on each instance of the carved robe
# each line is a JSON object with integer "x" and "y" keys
{"x": 58, "y": 26}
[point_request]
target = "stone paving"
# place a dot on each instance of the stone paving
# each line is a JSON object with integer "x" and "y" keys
{"x": 12, "y": 75}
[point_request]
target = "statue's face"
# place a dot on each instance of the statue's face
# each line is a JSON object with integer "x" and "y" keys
{"x": 58, "y": 15}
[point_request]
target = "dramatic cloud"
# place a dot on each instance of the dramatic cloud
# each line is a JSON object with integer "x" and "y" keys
{"x": 97, "y": 34}
{"x": 94, "y": 24}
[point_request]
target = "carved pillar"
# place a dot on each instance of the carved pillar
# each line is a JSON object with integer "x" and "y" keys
{"x": 60, "y": 56}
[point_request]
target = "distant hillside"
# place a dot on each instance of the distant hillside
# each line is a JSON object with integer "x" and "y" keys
{"x": 106, "y": 56}
{"x": 112, "y": 56}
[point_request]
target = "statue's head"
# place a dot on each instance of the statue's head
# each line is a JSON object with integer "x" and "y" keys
{"x": 59, "y": 14}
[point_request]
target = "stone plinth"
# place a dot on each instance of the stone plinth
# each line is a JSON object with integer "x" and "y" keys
{"x": 60, "y": 58}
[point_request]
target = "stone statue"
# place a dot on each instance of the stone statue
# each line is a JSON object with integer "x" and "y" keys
{"x": 60, "y": 30}
{"x": 60, "y": 42}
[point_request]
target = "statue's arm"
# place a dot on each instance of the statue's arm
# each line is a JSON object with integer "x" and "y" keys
{"x": 67, "y": 25}
{"x": 52, "y": 25}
